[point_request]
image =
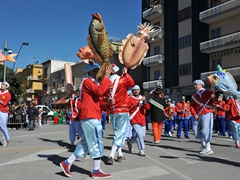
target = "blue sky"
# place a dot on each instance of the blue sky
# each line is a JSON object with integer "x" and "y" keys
{"x": 56, "y": 29}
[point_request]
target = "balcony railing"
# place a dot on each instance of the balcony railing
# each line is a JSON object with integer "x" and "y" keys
{"x": 153, "y": 60}
{"x": 152, "y": 84}
{"x": 54, "y": 91}
{"x": 223, "y": 11}
{"x": 29, "y": 91}
{"x": 153, "y": 12}
{"x": 153, "y": 36}
{"x": 220, "y": 44}
{"x": 34, "y": 77}
{"x": 62, "y": 89}
{"x": 235, "y": 72}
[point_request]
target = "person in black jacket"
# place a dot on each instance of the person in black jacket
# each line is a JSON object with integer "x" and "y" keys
{"x": 157, "y": 105}
{"x": 32, "y": 114}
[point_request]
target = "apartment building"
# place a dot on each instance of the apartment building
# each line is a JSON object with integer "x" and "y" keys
{"x": 197, "y": 36}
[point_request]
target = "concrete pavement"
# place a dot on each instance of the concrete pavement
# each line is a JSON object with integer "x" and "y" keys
{"x": 37, "y": 154}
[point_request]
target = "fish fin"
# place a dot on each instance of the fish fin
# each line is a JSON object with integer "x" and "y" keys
{"x": 111, "y": 51}
{"x": 102, "y": 69}
{"x": 100, "y": 40}
{"x": 230, "y": 76}
{"x": 96, "y": 55}
{"x": 10, "y": 57}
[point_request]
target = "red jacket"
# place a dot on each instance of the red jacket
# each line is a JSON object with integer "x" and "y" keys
{"x": 140, "y": 117}
{"x": 183, "y": 110}
{"x": 90, "y": 98}
{"x": 169, "y": 112}
{"x": 121, "y": 97}
{"x": 195, "y": 105}
{"x": 221, "y": 110}
{"x": 234, "y": 111}
{"x": 76, "y": 108}
{"x": 5, "y": 96}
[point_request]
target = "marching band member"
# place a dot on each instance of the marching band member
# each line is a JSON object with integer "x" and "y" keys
{"x": 119, "y": 111}
{"x": 201, "y": 108}
{"x": 183, "y": 111}
{"x": 157, "y": 104}
{"x": 74, "y": 124}
{"x": 91, "y": 142}
{"x": 169, "y": 114}
{"x": 221, "y": 114}
{"x": 138, "y": 107}
{"x": 5, "y": 97}
{"x": 234, "y": 117}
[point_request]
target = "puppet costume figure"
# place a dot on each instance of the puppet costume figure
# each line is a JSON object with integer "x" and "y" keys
{"x": 119, "y": 112}
{"x": 201, "y": 108}
{"x": 5, "y": 97}
{"x": 138, "y": 109}
{"x": 91, "y": 142}
{"x": 234, "y": 117}
{"x": 74, "y": 124}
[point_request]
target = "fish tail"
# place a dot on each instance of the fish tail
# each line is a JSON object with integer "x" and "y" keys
{"x": 102, "y": 69}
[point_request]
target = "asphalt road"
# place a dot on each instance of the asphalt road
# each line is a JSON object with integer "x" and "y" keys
{"x": 37, "y": 154}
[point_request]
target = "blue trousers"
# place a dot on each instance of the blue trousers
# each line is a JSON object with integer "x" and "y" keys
{"x": 222, "y": 126}
{"x": 138, "y": 136}
{"x": 168, "y": 125}
{"x": 182, "y": 123}
{"x": 229, "y": 129}
{"x": 103, "y": 121}
{"x": 3, "y": 125}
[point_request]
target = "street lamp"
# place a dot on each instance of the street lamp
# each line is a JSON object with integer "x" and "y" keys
{"x": 23, "y": 44}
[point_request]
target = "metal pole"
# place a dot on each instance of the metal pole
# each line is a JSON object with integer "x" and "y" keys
{"x": 5, "y": 62}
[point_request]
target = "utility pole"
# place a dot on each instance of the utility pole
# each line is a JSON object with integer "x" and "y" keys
{"x": 5, "y": 62}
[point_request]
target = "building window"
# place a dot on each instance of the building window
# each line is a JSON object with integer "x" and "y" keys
{"x": 215, "y": 3}
{"x": 215, "y": 33}
{"x": 215, "y": 63}
{"x": 157, "y": 74}
{"x": 184, "y": 14}
{"x": 54, "y": 84}
{"x": 45, "y": 73}
{"x": 185, "y": 69}
{"x": 73, "y": 80}
{"x": 156, "y": 50}
{"x": 185, "y": 41}
{"x": 63, "y": 82}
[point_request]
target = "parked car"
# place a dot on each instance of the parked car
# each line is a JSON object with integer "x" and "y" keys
{"x": 49, "y": 111}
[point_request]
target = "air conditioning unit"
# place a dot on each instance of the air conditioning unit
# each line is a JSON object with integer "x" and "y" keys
{"x": 167, "y": 91}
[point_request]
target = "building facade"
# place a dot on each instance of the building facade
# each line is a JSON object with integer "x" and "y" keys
{"x": 196, "y": 37}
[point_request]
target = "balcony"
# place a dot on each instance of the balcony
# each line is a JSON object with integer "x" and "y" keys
{"x": 29, "y": 91}
{"x": 152, "y": 84}
{"x": 155, "y": 36}
{"x": 153, "y": 60}
{"x": 63, "y": 89}
{"x": 221, "y": 44}
{"x": 220, "y": 12}
{"x": 34, "y": 78}
{"x": 153, "y": 12}
{"x": 54, "y": 91}
{"x": 235, "y": 72}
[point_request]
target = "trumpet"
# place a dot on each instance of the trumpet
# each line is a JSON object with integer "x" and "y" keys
{"x": 170, "y": 113}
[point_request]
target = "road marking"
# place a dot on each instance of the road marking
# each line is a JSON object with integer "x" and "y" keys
{"x": 27, "y": 149}
{"x": 138, "y": 173}
{"x": 41, "y": 155}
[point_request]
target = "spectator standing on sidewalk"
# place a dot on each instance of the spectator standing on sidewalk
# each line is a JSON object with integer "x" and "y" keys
{"x": 32, "y": 113}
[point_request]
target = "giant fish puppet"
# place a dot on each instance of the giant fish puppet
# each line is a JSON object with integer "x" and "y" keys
{"x": 134, "y": 48}
{"x": 6, "y": 58}
{"x": 98, "y": 42}
{"x": 224, "y": 82}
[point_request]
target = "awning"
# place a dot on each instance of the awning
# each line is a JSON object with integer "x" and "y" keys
{"x": 62, "y": 100}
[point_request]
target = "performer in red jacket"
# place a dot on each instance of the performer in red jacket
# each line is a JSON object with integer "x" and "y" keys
{"x": 221, "y": 115}
{"x": 90, "y": 115}
{"x": 138, "y": 107}
{"x": 234, "y": 117}
{"x": 201, "y": 108}
{"x": 5, "y": 97}
{"x": 119, "y": 112}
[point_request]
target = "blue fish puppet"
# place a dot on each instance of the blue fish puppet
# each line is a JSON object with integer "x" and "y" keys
{"x": 224, "y": 82}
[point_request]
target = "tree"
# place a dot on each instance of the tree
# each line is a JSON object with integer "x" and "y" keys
{"x": 14, "y": 81}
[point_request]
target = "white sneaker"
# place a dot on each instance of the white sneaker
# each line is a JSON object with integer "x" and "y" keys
{"x": 170, "y": 134}
{"x": 141, "y": 153}
{"x": 5, "y": 143}
{"x": 230, "y": 137}
{"x": 206, "y": 152}
{"x": 166, "y": 134}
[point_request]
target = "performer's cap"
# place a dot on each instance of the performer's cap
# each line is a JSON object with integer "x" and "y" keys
{"x": 115, "y": 68}
{"x": 7, "y": 84}
{"x": 221, "y": 95}
{"x": 183, "y": 98}
{"x": 136, "y": 87}
{"x": 92, "y": 65}
{"x": 158, "y": 88}
{"x": 198, "y": 81}
{"x": 169, "y": 100}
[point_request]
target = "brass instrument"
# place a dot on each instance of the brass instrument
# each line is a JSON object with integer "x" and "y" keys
{"x": 170, "y": 114}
